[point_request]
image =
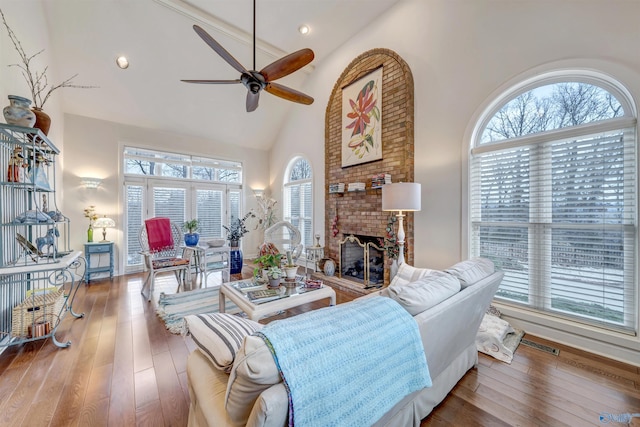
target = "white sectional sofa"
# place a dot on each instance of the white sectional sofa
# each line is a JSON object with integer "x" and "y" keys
{"x": 253, "y": 394}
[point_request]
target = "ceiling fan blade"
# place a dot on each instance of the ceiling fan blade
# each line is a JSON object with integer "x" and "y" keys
{"x": 287, "y": 64}
{"x": 252, "y": 101}
{"x": 288, "y": 93}
{"x": 212, "y": 81}
{"x": 219, "y": 49}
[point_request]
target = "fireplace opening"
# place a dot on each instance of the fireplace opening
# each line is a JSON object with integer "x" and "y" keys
{"x": 362, "y": 260}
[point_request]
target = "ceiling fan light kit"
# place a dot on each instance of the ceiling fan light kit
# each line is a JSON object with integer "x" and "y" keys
{"x": 256, "y": 81}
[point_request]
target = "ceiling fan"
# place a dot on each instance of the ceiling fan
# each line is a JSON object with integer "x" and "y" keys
{"x": 254, "y": 80}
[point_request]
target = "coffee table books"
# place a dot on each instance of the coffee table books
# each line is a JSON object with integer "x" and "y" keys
{"x": 264, "y": 295}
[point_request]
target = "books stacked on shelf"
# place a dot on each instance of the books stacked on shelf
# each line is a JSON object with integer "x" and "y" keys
{"x": 377, "y": 181}
{"x": 336, "y": 188}
{"x": 356, "y": 186}
{"x": 264, "y": 295}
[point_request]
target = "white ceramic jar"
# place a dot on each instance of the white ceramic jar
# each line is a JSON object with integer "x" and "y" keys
{"x": 18, "y": 112}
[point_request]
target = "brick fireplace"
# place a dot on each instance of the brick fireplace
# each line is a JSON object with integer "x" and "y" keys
{"x": 360, "y": 212}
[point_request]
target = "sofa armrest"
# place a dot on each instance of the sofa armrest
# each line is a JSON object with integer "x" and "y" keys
{"x": 449, "y": 327}
{"x": 271, "y": 408}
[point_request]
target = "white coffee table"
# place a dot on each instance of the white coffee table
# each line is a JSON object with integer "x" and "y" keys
{"x": 291, "y": 297}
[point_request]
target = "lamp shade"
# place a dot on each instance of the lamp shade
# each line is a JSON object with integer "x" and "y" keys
{"x": 104, "y": 222}
{"x": 401, "y": 196}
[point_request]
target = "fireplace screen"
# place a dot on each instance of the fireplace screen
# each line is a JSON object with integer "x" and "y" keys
{"x": 361, "y": 260}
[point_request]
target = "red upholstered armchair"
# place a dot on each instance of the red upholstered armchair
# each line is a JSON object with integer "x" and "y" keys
{"x": 160, "y": 242}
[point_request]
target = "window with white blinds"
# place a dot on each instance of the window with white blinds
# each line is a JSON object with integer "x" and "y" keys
{"x": 298, "y": 198}
{"x": 179, "y": 187}
{"x": 554, "y": 207}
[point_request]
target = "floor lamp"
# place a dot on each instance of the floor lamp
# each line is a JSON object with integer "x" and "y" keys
{"x": 402, "y": 196}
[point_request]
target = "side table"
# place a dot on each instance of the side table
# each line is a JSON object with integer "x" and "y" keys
{"x": 313, "y": 254}
{"x": 97, "y": 249}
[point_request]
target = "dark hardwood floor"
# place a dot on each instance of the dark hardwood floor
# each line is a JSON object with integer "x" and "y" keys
{"x": 124, "y": 369}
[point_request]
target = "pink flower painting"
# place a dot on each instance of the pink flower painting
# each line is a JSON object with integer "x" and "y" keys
{"x": 362, "y": 120}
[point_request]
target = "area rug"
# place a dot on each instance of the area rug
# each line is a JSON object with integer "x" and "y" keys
{"x": 496, "y": 337}
{"x": 172, "y": 308}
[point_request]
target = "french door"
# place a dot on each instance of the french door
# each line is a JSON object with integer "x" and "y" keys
{"x": 212, "y": 204}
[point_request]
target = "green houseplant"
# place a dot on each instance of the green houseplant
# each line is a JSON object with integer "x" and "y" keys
{"x": 265, "y": 262}
{"x": 236, "y": 230}
{"x": 274, "y": 274}
{"x": 191, "y": 237}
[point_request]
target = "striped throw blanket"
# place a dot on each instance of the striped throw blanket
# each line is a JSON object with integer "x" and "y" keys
{"x": 348, "y": 365}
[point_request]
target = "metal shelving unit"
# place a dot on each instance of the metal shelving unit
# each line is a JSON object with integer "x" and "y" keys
{"x": 39, "y": 273}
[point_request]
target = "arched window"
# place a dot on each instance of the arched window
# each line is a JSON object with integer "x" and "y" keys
{"x": 298, "y": 197}
{"x": 553, "y": 198}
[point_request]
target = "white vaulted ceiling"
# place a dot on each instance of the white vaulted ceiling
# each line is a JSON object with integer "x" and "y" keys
{"x": 157, "y": 37}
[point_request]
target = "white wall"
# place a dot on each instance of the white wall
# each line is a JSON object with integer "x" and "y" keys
{"x": 31, "y": 31}
{"x": 93, "y": 148}
{"x": 461, "y": 53}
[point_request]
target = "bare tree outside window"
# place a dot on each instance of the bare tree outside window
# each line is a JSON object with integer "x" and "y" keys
{"x": 552, "y": 107}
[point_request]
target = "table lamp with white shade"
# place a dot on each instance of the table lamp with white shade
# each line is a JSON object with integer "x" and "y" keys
{"x": 104, "y": 223}
{"x": 401, "y": 197}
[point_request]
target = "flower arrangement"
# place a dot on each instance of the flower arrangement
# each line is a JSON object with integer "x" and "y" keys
{"x": 265, "y": 213}
{"x": 36, "y": 80}
{"x": 390, "y": 241}
{"x": 90, "y": 213}
{"x": 237, "y": 229}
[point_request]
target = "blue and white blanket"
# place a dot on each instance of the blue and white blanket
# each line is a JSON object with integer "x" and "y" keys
{"x": 349, "y": 364}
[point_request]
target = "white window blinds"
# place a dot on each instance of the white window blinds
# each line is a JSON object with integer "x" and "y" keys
{"x": 558, "y": 216}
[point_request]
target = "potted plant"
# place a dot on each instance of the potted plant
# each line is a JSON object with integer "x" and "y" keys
{"x": 264, "y": 262}
{"x": 274, "y": 274}
{"x": 191, "y": 236}
{"x": 236, "y": 230}
{"x": 290, "y": 269}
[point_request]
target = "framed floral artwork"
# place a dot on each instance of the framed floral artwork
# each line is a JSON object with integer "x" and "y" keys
{"x": 362, "y": 120}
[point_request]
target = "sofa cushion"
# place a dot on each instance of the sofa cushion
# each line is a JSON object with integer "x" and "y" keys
{"x": 407, "y": 274}
{"x": 220, "y": 335}
{"x": 425, "y": 292}
{"x": 254, "y": 371}
{"x": 472, "y": 270}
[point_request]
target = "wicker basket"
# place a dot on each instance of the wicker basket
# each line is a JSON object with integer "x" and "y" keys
{"x": 39, "y": 308}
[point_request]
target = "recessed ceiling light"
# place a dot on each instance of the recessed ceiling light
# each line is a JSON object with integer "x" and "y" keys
{"x": 122, "y": 62}
{"x": 304, "y": 29}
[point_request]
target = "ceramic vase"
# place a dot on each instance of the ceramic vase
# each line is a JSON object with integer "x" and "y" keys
{"x": 43, "y": 121}
{"x": 18, "y": 112}
{"x": 329, "y": 267}
{"x": 235, "y": 261}
{"x": 191, "y": 239}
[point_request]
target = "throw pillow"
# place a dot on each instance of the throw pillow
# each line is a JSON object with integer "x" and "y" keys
{"x": 426, "y": 292}
{"x": 407, "y": 274}
{"x": 254, "y": 371}
{"x": 471, "y": 271}
{"x": 220, "y": 335}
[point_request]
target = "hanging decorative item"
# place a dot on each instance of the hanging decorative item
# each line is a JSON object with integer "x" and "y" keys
{"x": 334, "y": 223}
